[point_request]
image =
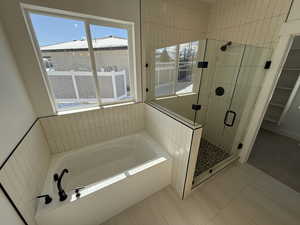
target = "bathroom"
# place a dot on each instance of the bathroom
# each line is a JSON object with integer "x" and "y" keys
{"x": 138, "y": 112}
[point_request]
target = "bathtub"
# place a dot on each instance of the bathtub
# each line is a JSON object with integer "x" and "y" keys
{"x": 114, "y": 175}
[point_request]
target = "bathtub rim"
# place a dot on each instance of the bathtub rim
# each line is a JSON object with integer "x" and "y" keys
{"x": 60, "y": 157}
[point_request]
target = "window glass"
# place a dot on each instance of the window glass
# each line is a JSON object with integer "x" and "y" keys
{"x": 174, "y": 66}
{"x": 76, "y": 55}
{"x": 165, "y": 71}
{"x": 66, "y": 60}
{"x": 110, "y": 47}
{"x": 186, "y": 57}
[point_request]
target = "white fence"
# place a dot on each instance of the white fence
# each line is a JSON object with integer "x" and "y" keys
{"x": 171, "y": 79}
{"x": 77, "y": 86}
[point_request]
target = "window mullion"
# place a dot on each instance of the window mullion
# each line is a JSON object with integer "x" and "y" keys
{"x": 93, "y": 61}
{"x": 177, "y": 68}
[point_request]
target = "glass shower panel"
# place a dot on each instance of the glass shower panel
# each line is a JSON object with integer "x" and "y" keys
{"x": 215, "y": 95}
{"x": 176, "y": 77}
{"x": 248, "y": 85}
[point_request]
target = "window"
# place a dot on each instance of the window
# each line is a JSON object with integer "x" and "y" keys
{"x": 174, "y": 69}
{"x": 86, "y": 62}
{"x": 165, "y": 70}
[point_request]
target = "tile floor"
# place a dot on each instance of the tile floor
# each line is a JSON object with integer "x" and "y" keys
{"x": 238, "y": 195}
{"x": 284, "y": 165}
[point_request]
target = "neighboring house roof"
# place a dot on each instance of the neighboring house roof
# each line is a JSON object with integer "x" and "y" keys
{"x": 110, "y": 42}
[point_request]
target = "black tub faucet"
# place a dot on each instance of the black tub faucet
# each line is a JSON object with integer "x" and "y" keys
{"x": 48, "y": 199}
{"x": 61, "y": 192}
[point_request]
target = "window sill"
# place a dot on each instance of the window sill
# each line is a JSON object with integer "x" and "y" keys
{"x": 175, "y": 96}
{"x": 60, "y": 113}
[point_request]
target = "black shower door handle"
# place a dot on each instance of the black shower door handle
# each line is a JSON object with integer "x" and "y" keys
{"x": 232, "y": 120}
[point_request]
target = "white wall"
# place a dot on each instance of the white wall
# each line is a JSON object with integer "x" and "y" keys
{"x": 8, "y": 214}
{"x": 294, "y": 112}
{"x": 14, "y": 24}
{"x": 288, "y": 78}
{"x": 295, "y": 11}
{"x": 290, "y": 124}
{"x": 169, "y": 22}
{"x": 252, "y": 22}
{"x": 23, "y": 174}
{"x": 16, "y": 114}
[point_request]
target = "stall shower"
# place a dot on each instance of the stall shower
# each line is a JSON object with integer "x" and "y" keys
{"x": 210, "y": 83}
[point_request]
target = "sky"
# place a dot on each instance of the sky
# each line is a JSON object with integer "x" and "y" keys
{"x": 51, "y": 30}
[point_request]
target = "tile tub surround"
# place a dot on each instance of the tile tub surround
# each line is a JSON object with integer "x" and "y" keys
{"x": 131, "y": 118}
{"x": 175, "y": 138}
{"x": 72, "y": 131}
{"x": 24, "y": 173}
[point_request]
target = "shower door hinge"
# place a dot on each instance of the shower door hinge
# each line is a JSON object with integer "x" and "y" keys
{"x": 196, "y": 107}
{"x": 202, "y": 64}
{"x": 268, "y": 64}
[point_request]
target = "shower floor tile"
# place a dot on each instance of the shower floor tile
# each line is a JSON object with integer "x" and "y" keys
{"x": 209, "y": 155}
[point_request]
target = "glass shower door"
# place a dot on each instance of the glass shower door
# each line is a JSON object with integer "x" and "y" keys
{"x": 248, "y": 85}
{"x": 215, "y": 96}
{"x": 228, "y": 91}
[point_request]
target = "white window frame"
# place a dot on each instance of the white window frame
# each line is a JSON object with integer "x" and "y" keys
{"x": 135, "y": 86}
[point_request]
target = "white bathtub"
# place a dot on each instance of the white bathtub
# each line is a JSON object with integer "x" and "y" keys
{"x": 115, "y": 175}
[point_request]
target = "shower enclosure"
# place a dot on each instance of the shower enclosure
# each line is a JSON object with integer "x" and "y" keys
{"x": 209, "y": 83}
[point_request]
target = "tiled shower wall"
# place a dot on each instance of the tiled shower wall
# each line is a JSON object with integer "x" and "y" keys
{"x": 72, "y": 131}
{"x": 251, "y": 22}
{"x": 254, "y": 22}
{"x": 170, "y": 22}
{"x": 24, "y": 173}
